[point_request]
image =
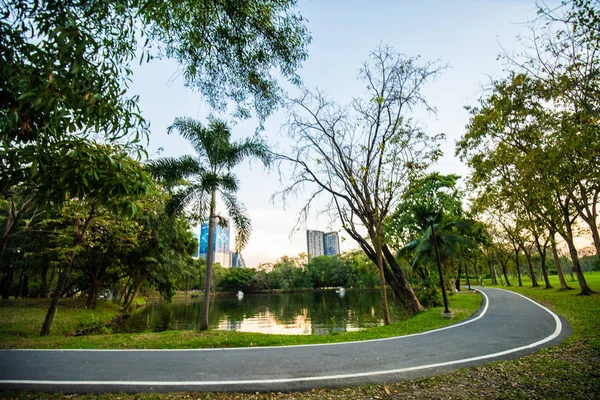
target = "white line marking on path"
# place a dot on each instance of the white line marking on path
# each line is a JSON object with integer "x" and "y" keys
{"x": 555, "y": 334}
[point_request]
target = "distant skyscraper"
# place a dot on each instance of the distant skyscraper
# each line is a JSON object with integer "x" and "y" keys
{"x": 319, "y": 243}
{"x": 314, "y": 243}
{"x": 237, "y": 261}
{"x": 331, "y": 242}
{"x": 220, "y": 246}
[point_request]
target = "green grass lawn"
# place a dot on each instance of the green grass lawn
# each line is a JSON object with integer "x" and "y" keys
{"x": 22, "y": 319}
{"x": 17, "y": 334}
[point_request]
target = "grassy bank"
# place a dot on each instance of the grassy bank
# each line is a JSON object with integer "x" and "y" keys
{"x": 570, "y": 370}
{"x": 462, "y": 305}
{"x": 22, "y": 319}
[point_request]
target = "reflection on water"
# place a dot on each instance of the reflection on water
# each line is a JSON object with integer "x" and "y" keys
{"x": 266, "y": 322}
{"x": 303, "y": 313}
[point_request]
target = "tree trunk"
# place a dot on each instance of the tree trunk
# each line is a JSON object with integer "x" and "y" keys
{"x": 128, "y": 292}
{"x": 122, "y": 292}
{"x": 25, "y": 287}
{"x": 567, "y": 234}
{"x": 542, "y": 252}
{"x": 496, "y": 275}
{"x": 559, "y": 270}
{"x": 6, "y": 284}
{"x": 44, "y": 278}
{"x": 209, "y": 262}
{"x": 136, "y": 285}
{"x": 476, "y": 270}
{"x": 492, "y": 272}
{"x": 51, "y": 278}
{"x": 457, "y": 284}
{"x": 20, "y": 285}
{"x": 505, "y": 271}
{"x": 518, "y": 265}
{"x": 585, "y": 289}
{"x": 596, "y": 240}
{"x": 382, "y": 280}
{"x": 394, "y": 275}
{"x": 440, "y": 269}
{"x": 467, "y": 277}
{"x": 60, "y": 287}
{"x": 397, "y": 280}
{"x": 79, "y": 231}
{"x": 93, "y": 294}
{"x": 588, "y": 212}
{"x": 534, "y": 282}
{"x": 9, "y": 223}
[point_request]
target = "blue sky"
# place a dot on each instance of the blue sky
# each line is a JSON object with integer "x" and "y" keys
{"x": 466, "y": 35}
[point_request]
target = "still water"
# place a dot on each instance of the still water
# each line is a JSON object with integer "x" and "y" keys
{"x": 302, "y": 313}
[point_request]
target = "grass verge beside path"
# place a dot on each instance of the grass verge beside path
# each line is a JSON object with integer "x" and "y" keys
{"x": 462, "y": 305}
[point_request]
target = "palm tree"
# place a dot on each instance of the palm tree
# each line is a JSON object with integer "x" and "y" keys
{"x": 196, "y": 181}
{"x": 438, "y": 237}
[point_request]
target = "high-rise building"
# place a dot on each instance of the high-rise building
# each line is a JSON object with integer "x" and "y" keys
{"x": 220, "y": 245}
{"x": 314, "y": 243}
{"x": 331, "y": 242}
{"x": 237, "y": 261}
{"x": 319, "y": 243}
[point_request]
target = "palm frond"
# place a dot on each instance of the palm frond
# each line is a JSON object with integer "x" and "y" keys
{"x": 192, "y": 131}
{"x": 181, "y": 199}
{"x": 170, "y": 171}
{"x": 199, "y": 205}
{"x": 254, "y": 147}
{"x": 210, "y": 181}
{"x": 240, "y": 219}
{"x": 221, "y": 221}
{"x": 229, "y": 182}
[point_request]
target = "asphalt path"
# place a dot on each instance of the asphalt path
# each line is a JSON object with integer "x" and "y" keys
{"x": 508, "y": 325}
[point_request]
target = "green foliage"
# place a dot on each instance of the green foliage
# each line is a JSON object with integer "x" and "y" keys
{"x": 428, "y": 292}
{"x": 114, "y": 254}
{"x": 329, "y": 271}
{"x": 238, "y": 279}
{"x": 66, "y": 65}
{"x": 432, "y": 203}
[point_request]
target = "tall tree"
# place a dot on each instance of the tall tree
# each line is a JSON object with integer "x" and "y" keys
{"x": 431, "y": 223}
{"x": 102, "y": 176}
{"x": 207, "y": 174}
{"x": 358, "y": 157}
{"x": 562, "y": 54}
{"x": 511, "y": 145}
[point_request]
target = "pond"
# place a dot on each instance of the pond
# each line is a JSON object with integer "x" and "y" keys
{"x": 300, "y": 313}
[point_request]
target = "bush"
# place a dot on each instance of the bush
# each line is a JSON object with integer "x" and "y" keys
{"x": 429, "y": 295}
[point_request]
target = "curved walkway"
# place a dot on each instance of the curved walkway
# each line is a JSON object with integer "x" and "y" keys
{"x": 507, "y": 325}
